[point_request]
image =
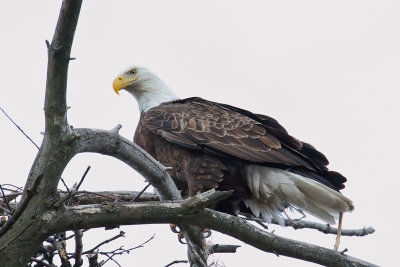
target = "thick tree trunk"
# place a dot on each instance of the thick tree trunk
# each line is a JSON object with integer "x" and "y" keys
{"x": 23, "y": 234}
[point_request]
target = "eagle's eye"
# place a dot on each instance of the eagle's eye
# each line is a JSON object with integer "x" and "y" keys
{"x": 132, "y": 71}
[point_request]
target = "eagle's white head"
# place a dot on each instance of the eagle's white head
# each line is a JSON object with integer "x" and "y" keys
{"x": 148, "y": 89}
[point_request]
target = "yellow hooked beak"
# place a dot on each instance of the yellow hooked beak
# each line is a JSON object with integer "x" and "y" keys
{"x": 121, "y": 82}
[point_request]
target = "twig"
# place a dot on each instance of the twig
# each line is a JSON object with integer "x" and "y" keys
{"x": 73, "y": 235}
{"x": 121, "y": 250}
{"x": 301, "y": 224}
{"x": 260, "y": 221}
{"x": 83, "y": 177}
{"x": 29, "y": 195}
{"x": 141, "y": 192}
{"x": 116, "y": 129}
{"x": 121, "y": 234}
{"x": 113, "y": 196}
{"x": 19, "y": 129}
{"x": 144, "y": 243}
{"x": 92, "y": 193}
{"x": 27, "y": 136}
{"x": 175, "y": 262}
{"x": 326, "y": 228}
{"x": 110, "y": 258}
{"x": 66, "y": 186}
{"x": 72, "y": 191}
{"x": 14, "y": 194}
{"x": 17, "y": 187}
{"x": 5, "y": 198}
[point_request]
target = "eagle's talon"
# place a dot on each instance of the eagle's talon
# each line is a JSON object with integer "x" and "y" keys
{"x": 207, "y": 233}
{"x": 174, "y": 228}
{"x": 180, "y": 238}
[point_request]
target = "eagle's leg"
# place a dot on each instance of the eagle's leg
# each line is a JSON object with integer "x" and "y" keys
{"x": 201, "y": 174}
{"x": 339, "y": 232}
{"x": 175, "y": 229}
{"x": 192, "y": 172}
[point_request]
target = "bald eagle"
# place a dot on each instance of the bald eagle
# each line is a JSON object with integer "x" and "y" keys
{"x": 213, "y": 145}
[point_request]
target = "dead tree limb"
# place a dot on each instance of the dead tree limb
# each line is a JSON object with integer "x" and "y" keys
{"x": 78, "y": 248}
{"x": 192, "y": 212}
{"x": 328, "y": 229}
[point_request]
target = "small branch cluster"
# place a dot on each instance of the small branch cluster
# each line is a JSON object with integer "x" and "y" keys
{"x": 55, "y": 245}
{"x": 72, "y": 191}
{"x": 8, "y": 200}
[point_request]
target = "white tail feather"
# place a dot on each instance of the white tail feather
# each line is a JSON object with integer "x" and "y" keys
{"x": 274, "y": 189}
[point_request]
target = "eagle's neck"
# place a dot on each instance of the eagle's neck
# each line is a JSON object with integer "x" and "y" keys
{"x": 151, "y": 93}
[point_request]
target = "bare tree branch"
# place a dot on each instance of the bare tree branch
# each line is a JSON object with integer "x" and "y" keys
{"x": 121, "y": 234}
{"x": 175, "y": 262}
{"x": 324, "y": 228}
{"x": 19, "y": 128}
{"x": 192, "y": 212}
{"x": 121, "y": 250}
{"x": 112, "y": 144}
{"x": 269, "y": 242}
{"x": 88, "y": 197}
{"x": 78, "y": 248}
{"x": 57, "y": 71}
{"x": 141, "y": 192}
{"x": 73, "y": 190}
{"x": 327, "y": 229}
{"x": 101, "y": 215}
{"x": 218, "y": 248}
{"x": 5, "y": 199}
{"x": 30, "y": 193}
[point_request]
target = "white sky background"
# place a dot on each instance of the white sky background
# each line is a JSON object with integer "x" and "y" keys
{"x": 328, "y": 71}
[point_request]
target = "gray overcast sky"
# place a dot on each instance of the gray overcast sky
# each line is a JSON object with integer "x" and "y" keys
{"x": 327, "y": 70}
